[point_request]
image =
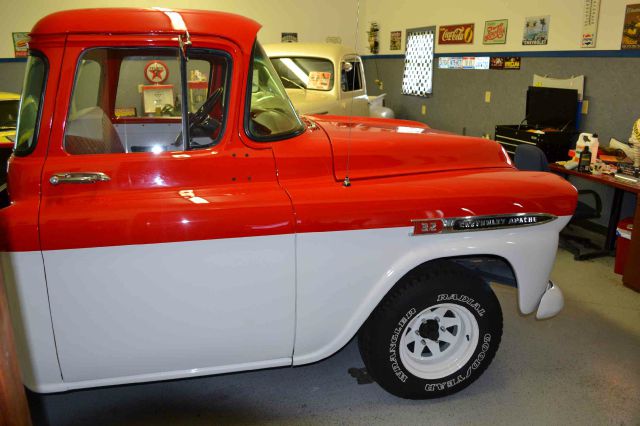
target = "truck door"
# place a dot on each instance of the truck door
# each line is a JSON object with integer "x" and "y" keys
{"x": 164, "y": 256}
{"x": 353, "y": 93}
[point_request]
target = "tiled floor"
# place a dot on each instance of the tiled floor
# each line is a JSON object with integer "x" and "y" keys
{"x": 582, "y": 368}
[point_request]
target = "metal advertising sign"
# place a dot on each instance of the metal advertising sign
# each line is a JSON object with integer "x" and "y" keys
{"x": 456, "y": 34}
{"x": 495, "y": 32}
{"x": 20, "y": 44}
{"x": 496, "y": 63}
{"x": 395, "y": 40}
{"x": 536, "y": 30}
{"x": 512, "y": 63}
{"x": 631, "y": 31}
{"x": 156, "y": 72}
{"x": 505, "y": 63}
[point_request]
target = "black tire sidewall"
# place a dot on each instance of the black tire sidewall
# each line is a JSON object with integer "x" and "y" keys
{"x": 389, "y": 370}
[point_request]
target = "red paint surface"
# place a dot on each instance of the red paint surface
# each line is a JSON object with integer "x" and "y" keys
{"x": 242, "y": 188}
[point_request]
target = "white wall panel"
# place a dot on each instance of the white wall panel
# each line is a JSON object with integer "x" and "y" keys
{"x": 312, "y": 20}
{"x": 565, "y": 31}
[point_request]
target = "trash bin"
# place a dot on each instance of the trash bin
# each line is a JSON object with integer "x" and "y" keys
{"x": 623, "y": 242}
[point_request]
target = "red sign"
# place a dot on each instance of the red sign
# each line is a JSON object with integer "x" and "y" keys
{"x": 156, "y": 72}
{"x": 456, "y": 34}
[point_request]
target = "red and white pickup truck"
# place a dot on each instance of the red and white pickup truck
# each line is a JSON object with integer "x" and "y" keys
{"x": 168, "y": 214}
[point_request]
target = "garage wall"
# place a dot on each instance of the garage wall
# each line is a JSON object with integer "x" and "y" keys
{"x": 458, "y": 100}
{"x": 564, "y": 31}
{"x": 301, "y": 16}
{"x": 458, "y": 103}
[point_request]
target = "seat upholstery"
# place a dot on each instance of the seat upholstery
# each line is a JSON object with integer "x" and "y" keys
{"x": 91, "y": 132}
{"x": 531, "y": 158}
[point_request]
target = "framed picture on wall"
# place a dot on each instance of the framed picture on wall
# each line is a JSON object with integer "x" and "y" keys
{"x": 631, "y": 30}
{"x": 157, "y": 97}
{"x": 20, "y": 44}
{"x": 536, "y": 30}
{"x": 495, "y": 32}
{"x": 396, "y": 40}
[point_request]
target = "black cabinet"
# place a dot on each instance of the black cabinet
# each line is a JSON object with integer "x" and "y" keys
{"x": 555, "y": 144}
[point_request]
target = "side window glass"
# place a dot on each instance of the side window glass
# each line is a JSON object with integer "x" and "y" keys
{"x": 88, "y": 83}
{"x": 351, "y": 76}
{"x": 31, "y": 104}
{"x": 129, "y": 100}
{"x": 208, "y": 82}
{"x": 270, "y": 115}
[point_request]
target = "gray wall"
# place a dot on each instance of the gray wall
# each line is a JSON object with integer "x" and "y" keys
{"x": 11, "y": 76}
{"x": 612, "y": 87}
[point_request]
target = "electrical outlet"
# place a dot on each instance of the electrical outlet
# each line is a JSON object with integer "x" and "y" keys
{"x": 585, "y": 106}
{"x": 487, "y": 97}
{"x": 424, "y": 109}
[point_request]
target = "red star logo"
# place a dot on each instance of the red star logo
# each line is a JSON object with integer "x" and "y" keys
{"x": 156, "y": 72}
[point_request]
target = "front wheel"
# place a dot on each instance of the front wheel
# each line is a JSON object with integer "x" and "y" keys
{"x": 433, "y": 334}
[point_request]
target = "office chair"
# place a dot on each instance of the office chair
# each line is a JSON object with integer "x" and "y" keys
{"x": 531, "y": 158}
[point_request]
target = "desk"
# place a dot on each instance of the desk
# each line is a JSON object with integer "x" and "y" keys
{"x": 631, "y": 277}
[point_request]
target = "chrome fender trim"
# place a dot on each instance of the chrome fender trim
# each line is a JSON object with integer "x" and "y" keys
{"x": 479, "y": 223}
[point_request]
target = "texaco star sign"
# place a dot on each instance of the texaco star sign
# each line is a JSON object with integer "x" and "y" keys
{"x": 156, "y": 72}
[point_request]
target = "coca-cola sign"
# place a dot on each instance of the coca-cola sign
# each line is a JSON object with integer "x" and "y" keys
{"x": 495, "y": 32}
{"x": 456, "y": 34}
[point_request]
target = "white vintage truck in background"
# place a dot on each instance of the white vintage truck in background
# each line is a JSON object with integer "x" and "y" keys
{"x": 325, "y": 78}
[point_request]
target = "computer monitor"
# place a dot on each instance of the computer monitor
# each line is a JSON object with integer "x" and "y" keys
{"x": 550, "y": 107}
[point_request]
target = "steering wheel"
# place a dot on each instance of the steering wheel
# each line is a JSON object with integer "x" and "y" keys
{"x": 200, "y": 123}
{"x": 201, "y": 115}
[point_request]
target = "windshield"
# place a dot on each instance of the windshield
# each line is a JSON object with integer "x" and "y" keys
{"x": 8, "y": 114}
{"x": 271, "y": 115}
{"x": 30, "y": 104}
{"x": 305, "y": 73}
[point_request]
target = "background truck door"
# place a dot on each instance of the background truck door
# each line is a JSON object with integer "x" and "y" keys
{"x": 353, "y": 93}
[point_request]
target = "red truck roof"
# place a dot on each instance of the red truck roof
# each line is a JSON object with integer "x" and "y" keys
{"x": 156, "y": 20}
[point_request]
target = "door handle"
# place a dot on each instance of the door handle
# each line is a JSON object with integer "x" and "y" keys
{"x": 78, "y": 177}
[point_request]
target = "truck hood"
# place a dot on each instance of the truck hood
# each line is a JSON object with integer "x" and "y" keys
{"x": 373, "y": 148}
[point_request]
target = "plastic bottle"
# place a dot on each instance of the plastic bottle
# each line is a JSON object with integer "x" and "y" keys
{"x": 593, "y": 147}
{"x": 585, "y": 160}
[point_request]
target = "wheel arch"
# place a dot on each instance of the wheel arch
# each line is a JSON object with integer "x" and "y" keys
{"x": 488, "y": 267}
{"x": 526, "y": 254}
{"x": 476, "y": 263}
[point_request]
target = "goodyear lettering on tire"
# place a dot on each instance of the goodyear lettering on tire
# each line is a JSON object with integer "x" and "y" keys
{"x": 393, "y": 345}
{"x": 462, "y": 377}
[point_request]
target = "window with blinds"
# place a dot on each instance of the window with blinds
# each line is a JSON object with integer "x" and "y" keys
{"x": 417, "y": 78}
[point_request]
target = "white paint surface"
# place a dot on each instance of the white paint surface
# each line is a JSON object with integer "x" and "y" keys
{"x": 154, "y": 312}
{"x": 157, "y": 308}
{"x": 338, "y": 288}
{"x": 24, "y": 279}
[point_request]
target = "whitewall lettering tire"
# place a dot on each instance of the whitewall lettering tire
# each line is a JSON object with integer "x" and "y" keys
{"x": 433, "y": 334}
